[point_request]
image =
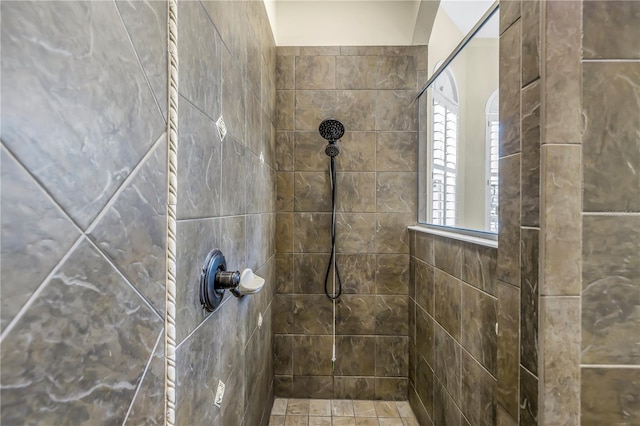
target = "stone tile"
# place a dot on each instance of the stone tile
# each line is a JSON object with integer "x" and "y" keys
{"x": 254, "y": 63}
{"x": 298, "y": 407}
{"x": 320, "y": 407}
{"x": 424, "y": 247}
{"x": 528, "y": 398}
{"x": 253, "y": 126}
{"x": 284, "y": 151}
{"x": 508, "y": 348}
{"x": 478, "y": 393}
{"x": 357, "y": 152}
{"x": 425, "y": 385}
{"x": 396, "y": 192}
{"x": 349, "y": 353}
{"x": 356, "y": 192}
{"x": 447, "y": 363}
{"x": 508, "y": 266}
{"x": 448, "y": 255}
{"x": 320, "y": 421}
{"x": 63, "y": 130}
{"x": 354, "y": 387}
{"x": 296, "y": 420}
{"x": 611, "y": 150}
{"x": 391, "y": 315}
{"x": 560, "y": 360}
{"x": 391, "y": 356}
{"x": 356, "y": 72}
{"x": 312, "y": 232}
{"x": 309, "y": 152}
{"x": 201, "y": 154}
{"x": 390, "y": 421}
{"x": 356, "y": 314}
{"x": 530, "y": 128}
{"x": 234, "y": 178}
{"x": 392, "y": 235}
{"x": 364, "y": 409}
{"x": 610, "y": 289}
{"x": 148, "y": 405}
{"x": 311, "y": 355}
{"x": 283, "y": 386}
{"x": 284, "y": 277}
{"x": 355, "y": 232}
{"x": 315, "y": 72}
{"x": 425, "y": 286}
{"x": 282, "y": 354}
{"x": 396, "y": 73}
{"x": 343, "y": 421}
{"x": 529, "y": 300}
{"x": 509, "y": 89}
{"x": 36, "y": 234}
{"x": 391, "y": 388}
{"x": 288, "y": 50}
{"x": 147, "y": 29}
{"x": 283, "y": 313}
{"x": 276, "y": 420}
{"x": 313, "y": 106}
{"x": 503, "y": 418}
{"x": 396, "y": 151}
{"x": 479, "y": 316}
{"x": 561, "y": 58}
{"x": 194, "y": 241}
{"x": 284, "y": 232}
{"x": 132, "y": 230}
{"x": 479, "y": 267}
{"x": 341, "y": 408}
{"x": 85, "y": 276}
{"x": 312, "y": 192}
{"x": 357, "y": 272}
{"x": 509, "y": 13}
{"x": 319, "y": 50}
{"x": 392, "y": 274}
{"x": 313, "y": 386}
{"x": 312, "y": 314}
{"x": 411, "y": 421}
{"x": 530, "y": 41}
{"x": 610, "y": 30}
{"x": 425, "y": 343}
{"x": 356, "y": 109}
{"x": 285, "y": 72}
{"x": 309, "y": 273}
{"x": 447, "y": 299}
{"x": 561, "y": 240}
{"x": 386, "y": 409}
{"x": 396, "y": 110}
{"x": 285, "y": 109}
{"x": 445, "y": 411}
{"x": 610, "y": 396}
{"x": 284, "y": 185}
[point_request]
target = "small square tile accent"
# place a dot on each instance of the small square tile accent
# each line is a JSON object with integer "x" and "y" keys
{"x": 341, "y": 412}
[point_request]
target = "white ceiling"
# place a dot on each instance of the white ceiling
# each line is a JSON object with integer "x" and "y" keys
{"x": 367, "y": 22}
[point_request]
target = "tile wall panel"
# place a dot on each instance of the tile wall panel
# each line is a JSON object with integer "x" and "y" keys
{"x": 371, "y": 90}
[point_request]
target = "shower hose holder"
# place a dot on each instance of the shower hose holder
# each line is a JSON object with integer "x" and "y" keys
{"x": 215, "y": 279}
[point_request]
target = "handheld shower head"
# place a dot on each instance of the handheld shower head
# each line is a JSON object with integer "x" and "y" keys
{"x": 331, "y": 130}
{"x": 332, "y": 149}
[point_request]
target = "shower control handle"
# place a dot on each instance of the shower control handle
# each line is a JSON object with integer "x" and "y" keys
{"x": 227, "y": 279}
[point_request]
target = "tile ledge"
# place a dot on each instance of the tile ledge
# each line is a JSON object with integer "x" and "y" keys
{"x": 482, "y": 241}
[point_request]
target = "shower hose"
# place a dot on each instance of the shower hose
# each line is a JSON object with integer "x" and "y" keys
{"x": 332, "y": 259}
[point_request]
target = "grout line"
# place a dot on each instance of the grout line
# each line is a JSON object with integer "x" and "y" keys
{"x": 40, "y": 289}
{"x": 611, "y": 214}
{"x": 201, "y": 324}
{"x": 143, "y": 376}
{"x": 605, "y": 61}
{"x": 611, "y": 366}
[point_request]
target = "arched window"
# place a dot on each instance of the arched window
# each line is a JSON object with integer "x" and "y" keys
{"x": 444, "y": 150}
{"x": 491, "y": 111}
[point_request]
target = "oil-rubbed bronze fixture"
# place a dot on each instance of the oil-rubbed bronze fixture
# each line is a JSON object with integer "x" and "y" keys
{"x": 215, "y": 279}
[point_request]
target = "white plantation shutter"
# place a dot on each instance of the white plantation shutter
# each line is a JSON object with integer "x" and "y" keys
{"x": 493, "y": 128}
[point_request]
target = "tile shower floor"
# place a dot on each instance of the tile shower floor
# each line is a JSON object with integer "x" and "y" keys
{"x": 343, "y": 412}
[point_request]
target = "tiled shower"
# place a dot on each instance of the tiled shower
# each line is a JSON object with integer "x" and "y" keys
{"x": 542, "y": 330}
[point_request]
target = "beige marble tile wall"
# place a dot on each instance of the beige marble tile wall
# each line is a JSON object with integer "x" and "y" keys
{"x": 453, "y": 345}
{"x": 579, "y": 264}
{"x": 83, "y": 159}
{"x": 371, "y": 90}
{"x": 226, "y": 199}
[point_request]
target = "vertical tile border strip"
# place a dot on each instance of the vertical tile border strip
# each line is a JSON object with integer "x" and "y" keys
{"x": 172, "y": 186}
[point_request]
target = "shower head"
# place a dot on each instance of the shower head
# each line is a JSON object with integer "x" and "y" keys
{"x": 332, "y": 149}
{"x": 331, "y": 130}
